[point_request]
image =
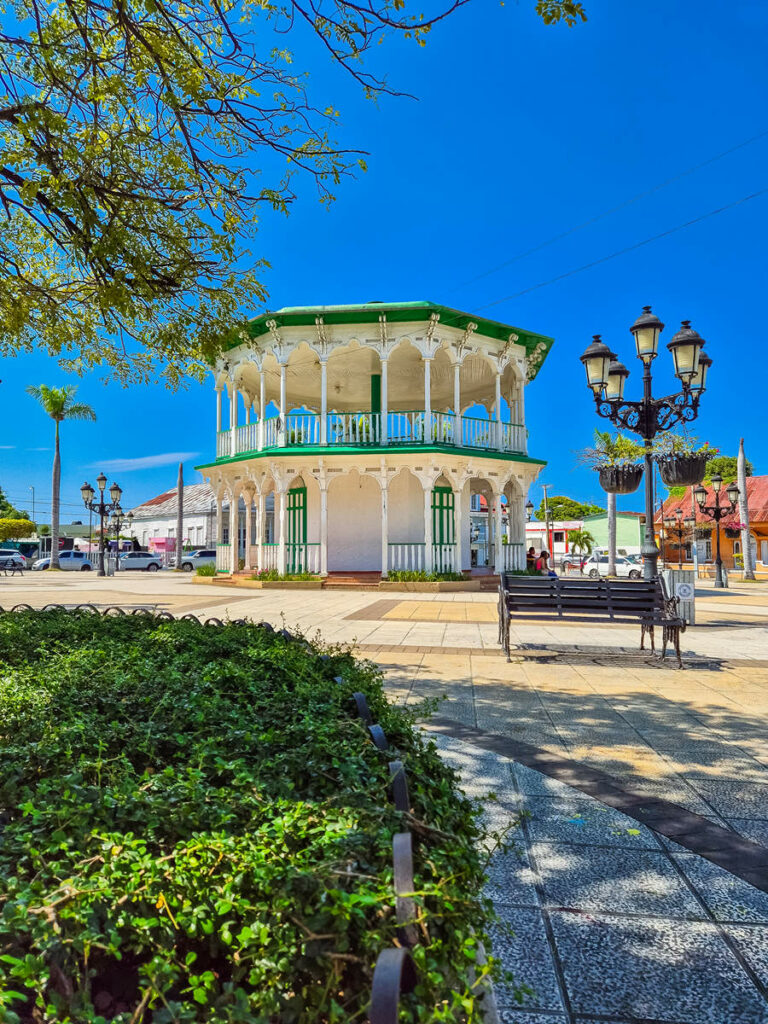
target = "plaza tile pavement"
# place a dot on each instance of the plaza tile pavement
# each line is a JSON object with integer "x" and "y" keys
{"x": 601, "y": 920}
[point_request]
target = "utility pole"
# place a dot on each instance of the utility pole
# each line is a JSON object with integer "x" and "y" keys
{"x": 33, "y": 505}
{"x": 179, "y": 516}
{"x": 544, "y": 488}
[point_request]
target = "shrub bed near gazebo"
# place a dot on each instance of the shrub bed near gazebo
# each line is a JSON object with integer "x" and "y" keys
{"x": 197, "y": 828}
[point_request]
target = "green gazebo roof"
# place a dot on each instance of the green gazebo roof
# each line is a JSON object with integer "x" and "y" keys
{"x": 537, "y": 346}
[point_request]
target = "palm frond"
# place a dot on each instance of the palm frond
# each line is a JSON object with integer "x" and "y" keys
{"x": 79, "y": 411}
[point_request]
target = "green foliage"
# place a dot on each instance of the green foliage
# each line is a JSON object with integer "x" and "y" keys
{"x": 139, "y": 145}
{"x": 727, "y": 467}
{"x": 197, "y": 829}
{"x": 611, "y": 450}
{"x": 667, "y": 444}
{"x": 421, "y": 576}
{"x": 60, "y": 404}
{"x": 581, "y": 541}
{"x": 9, "y": 511}
{"x": 562, "y": 507}
{"x": 13, "y": 529}
{"x": 44, "y": 531}
{"x": 205, "y": 570}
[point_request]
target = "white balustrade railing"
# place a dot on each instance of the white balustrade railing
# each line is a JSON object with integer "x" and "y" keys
{"x": 358, "y": 429}
{"x": 271, "y": 432}
{"x": 478, "y": 433}
{"x": 406, "y": 427}
{"x": 247, "y": 438}
{"x": 512, "y": 556}
{"x": 223, "y": 444}
{"x": 513, "y": 438}
{"x": 269, "y": 556}
{"x": 223, "y": 563}
{"x": 444, "y": 558}
{"x": 354, "y": 428}
{"x": 302, "y": 428}
{"x": 406, "y": 556}
{"x": 302, "y": 558}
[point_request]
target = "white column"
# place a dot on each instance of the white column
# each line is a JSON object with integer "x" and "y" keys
{"x": 282, "y": 517}
{"x": 458, "y": 526}
{"x": 260, "y": 531}
{"x": 233, "y": 419}
{"x": 457, "y": 403}
{"x": 261, "y": 414}
{"x": 427, "y": 401}
{"x": 324, "y": 531}
{"x": 521, "y": 414}
{"x": 248, "y": 506}
{"x": 428, "y": 559}
{"x": 283, "y": 407}
{"x": 218, "y": 409}
{"x": 323, "y": 401}
{"x": 248, "y": 403}
{"x": 234, "y": 515}
{"x": 219, "y": 521}
{"x": 498, "y": 410}
{"x": 497, "y": 557}
{"x": 384, "y": 529}
{"x": 384, "y": 402}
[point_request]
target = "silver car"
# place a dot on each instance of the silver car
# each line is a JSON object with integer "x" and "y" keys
{"x": 597, "y": 565}
{"x": 204, "y": 556}
{"x": 70, "y": 561}
{"x": 140, "y": 560}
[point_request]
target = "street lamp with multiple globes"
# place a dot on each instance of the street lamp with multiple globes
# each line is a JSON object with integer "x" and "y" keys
{"x": 650, "y": 416}
{"x": 717, "y": 512}
{"x": 679, "y": 527}
{"x": 101, "y": 508}
{"x": 116, "y": 523}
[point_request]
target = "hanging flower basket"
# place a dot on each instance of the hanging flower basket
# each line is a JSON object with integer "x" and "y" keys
{"x": 620, "y": 479}
{"x": 732, "y": 532}
{"x": 683, "y": 470}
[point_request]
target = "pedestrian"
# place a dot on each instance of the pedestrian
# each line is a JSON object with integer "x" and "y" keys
{"x": 530, "y": 558}
{"x": 542, "y": 564}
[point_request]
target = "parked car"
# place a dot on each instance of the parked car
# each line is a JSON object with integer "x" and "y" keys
{"x": 13, "y": 553}
{"x": 205, "y": 556}
{"x": 73, "y": 561}
{"x": 597, "y": 565}
{"x": 140, "y": 560}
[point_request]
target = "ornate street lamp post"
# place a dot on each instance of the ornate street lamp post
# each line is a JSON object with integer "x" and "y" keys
{"x": 650, "y": 416}
{"x": 101, "y": 508}
{"x": 679, "y": 527}
{"x": 116, "y": 523}
{"x": 717, "y": 512}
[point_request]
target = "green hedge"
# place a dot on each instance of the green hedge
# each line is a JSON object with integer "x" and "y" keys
{"x": 421, "y": 575}
{"x": 196, "y": 828}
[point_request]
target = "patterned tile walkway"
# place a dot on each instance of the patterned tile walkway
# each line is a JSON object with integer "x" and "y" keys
{"x": 608, "y": 923}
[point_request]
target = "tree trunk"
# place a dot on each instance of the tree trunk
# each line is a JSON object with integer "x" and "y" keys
{"x": 179, "y": 515}
{"x": 746, "y": 542}
{"x": 611, "y": 534}
{"x": 55, "y": 488}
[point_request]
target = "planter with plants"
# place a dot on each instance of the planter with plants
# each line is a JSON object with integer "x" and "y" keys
{"x": 732, "y": 530}
{"x": 418, "y": 580}
{"x": 682, "y": 461}
{"x": 616, "y": 460}
{"x": 177, "y": 847}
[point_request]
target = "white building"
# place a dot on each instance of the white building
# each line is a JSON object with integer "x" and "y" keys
{"x": 154, "y": 521}
{"x": 371, "y": 427}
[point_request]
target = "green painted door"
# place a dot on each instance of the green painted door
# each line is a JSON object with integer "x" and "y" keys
{"x": 296, "y": 539}
{"x": 443, "y": 528}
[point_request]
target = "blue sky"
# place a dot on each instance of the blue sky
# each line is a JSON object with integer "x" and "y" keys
{"x": 520, "y": 132}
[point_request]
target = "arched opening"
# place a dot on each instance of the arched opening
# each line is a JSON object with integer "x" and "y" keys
{"x": 354, "y": 523}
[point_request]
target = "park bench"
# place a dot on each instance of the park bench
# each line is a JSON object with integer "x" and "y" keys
{"x": 587, "y": 600}
{"x": 11, "y": 565}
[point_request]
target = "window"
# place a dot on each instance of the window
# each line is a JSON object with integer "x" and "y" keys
{"x": 558, "y": 536}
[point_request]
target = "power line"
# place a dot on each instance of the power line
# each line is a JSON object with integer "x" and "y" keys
{"x": 629, "y": 248}
{"x": 614, "y": 209}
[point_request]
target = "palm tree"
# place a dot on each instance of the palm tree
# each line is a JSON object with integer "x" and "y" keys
{"x": 60, "y": 405}
{"x": 581, "y": 541}
{"x": 610, "y": 450}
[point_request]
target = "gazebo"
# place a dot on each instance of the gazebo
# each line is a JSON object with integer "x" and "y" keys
{"x": 356, "y": 436}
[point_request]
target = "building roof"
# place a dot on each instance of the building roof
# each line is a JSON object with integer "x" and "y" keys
{"x": 619, "y": 515}
{"x": 197, "y": 498}
{"x": 537, "y": 346}
{"x": 757, "y": 501}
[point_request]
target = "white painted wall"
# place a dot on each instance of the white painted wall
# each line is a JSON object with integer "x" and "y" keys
{"x": 406, "y": 510}
{"x": 354, "y": 524}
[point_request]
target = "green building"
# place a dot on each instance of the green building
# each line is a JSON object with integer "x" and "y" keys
{"x": 629, "y": 531}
